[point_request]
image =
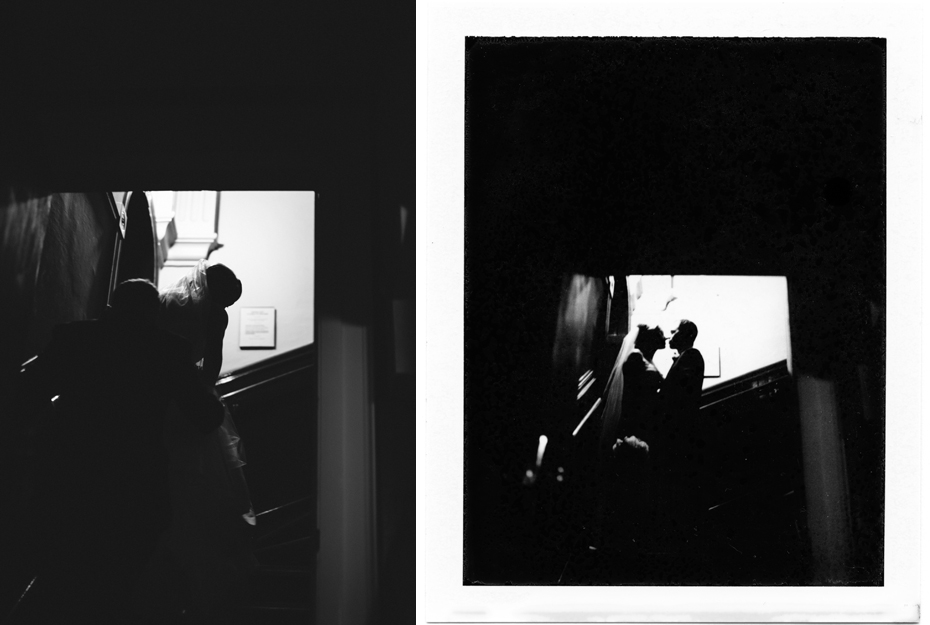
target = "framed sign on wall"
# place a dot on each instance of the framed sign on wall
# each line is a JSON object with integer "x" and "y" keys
{"x": 257, "y": 328}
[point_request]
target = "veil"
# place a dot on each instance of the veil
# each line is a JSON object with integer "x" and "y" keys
{"x": 183, "y": 311}
{"x": 189, "y": 290}
{"x": 183, "y": 307}
{"x": 612, "y": 407}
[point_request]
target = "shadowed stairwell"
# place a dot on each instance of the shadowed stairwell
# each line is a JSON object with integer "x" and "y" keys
{"x": 274, "y": 405}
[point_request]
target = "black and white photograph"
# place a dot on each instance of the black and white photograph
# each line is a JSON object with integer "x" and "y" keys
{"x": 207, "y": 219}
{"x": 674, "y": 311}
{"x": 675, "y": 285}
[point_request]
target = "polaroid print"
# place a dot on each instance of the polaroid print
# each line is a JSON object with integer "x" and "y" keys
{"x": 675, "y": 303}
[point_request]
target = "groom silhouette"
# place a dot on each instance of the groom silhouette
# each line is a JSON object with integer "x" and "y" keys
{"x": 101, "y": 479}
{"x": 680, "y": 398}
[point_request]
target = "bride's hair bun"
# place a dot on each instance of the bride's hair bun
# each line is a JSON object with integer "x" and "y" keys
{"x": 225, "y": 287}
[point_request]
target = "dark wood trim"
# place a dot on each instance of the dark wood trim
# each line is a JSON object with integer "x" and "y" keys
{"x": 747, "y": 382}
{"x": 226, "y": 393}
{"x": 271, "y": 369}
{"x": 118, "y": 216}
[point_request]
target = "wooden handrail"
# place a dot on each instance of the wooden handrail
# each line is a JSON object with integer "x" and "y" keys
{"x": 288, "y": 505}
{"x": 746, "y": 382}
{"x": 225, "y": 394}
{"x": 269, "y": 370}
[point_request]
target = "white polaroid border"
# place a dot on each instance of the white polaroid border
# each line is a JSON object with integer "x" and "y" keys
{"x": 441, "y": 32}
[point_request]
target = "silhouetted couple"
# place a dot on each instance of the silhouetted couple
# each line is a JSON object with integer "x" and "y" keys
{"x": 107, "y": 476}
{"x": 207, "y": 544}
{"x": 653, "y": 477}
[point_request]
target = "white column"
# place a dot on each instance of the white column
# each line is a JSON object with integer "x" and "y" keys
{"x": 186, "y": 227}
{"x": 825, "y": 479}
{"x": 346, "y": 560}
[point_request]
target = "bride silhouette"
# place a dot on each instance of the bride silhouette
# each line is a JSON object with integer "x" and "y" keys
{"x": 631, "y": 418}
{"x": 212, "y": 512}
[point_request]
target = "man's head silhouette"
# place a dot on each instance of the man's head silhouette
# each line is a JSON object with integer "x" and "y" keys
{"x": 135, "y": 301}
{"x": 683, "y": 336}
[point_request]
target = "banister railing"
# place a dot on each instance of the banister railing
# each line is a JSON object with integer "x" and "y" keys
{"x": 275, "y": 368}
{"x": 745, "y": 383}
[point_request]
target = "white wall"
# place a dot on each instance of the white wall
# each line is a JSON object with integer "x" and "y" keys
{"x": 746, "y": 317}
{"x": 268, "y": 240}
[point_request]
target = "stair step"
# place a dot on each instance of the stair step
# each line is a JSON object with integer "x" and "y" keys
{"x": 297, "y": 543}
{"x": 284, "y": 532}
{"x": 282, "y": 585}
{"x": 285, "y": 511}
{"x": 280, "y": 613}
{"x": 298, "y": 552}
{"x": 284, "y": 606}
{"x": 286, "y": 570}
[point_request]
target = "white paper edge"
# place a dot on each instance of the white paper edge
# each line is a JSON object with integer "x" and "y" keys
{"x": 441, "y": 597}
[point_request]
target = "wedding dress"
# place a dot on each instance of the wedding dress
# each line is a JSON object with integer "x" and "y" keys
{"x": 208, "y": 541}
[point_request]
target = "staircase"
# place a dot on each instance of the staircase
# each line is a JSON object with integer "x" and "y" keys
{"x": 282, "y": 586}
{"x": 274, "y": 405}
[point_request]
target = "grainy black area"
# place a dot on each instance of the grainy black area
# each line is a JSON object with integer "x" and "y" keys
{"x": 663, "y": 156}
{"x": 236, "y": 96}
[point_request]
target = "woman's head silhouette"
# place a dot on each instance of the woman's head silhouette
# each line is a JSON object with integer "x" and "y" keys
{"x": 225, "y": 287}
{"x": 650, "y": 340}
